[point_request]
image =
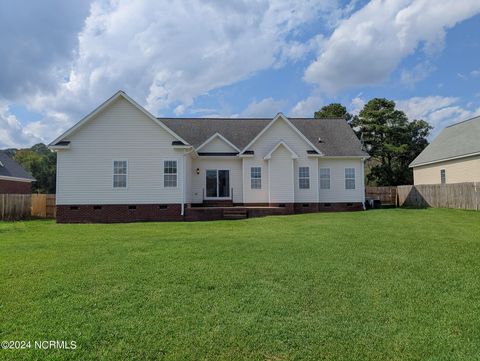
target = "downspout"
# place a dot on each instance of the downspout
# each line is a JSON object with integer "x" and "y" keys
{"x": 243, "y": 181}
{"x": 268, "y": 184}
{"x": 363, "y": 183}
{"x": 182, "y": 212}
{"x": 183, "y": 185}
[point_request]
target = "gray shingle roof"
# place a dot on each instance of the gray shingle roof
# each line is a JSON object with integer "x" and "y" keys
{"x": 10, "y": 168}
{"x": 338, "y": 139}
{"x": 456, "y": 140}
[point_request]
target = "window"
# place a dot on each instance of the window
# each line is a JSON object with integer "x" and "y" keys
{"x": 443, "y": 176}
{"x": 170, "y": 173}
{"x": 349, "y": 178}
{"x": 304, "y": 177}
{"x": 256, "y": 178}
{"x": 119, "y": 174}
{"x": 324, "y": 178}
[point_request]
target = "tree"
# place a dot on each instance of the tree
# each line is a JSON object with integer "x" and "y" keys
{"x": 41, "y": 163}
{"x": 333, "y": 110}
{"x": 391, "y": 140}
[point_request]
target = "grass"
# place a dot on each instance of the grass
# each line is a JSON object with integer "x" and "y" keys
{"x": 378, "y": 285}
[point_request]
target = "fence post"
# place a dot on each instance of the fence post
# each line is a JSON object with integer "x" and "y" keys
{"x": 476, "y": 195}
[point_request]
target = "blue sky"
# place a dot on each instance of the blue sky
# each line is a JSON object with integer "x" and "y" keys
{"x": 249, "y": 58}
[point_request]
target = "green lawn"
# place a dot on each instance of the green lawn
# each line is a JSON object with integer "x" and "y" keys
{"x": 377, "y": 285}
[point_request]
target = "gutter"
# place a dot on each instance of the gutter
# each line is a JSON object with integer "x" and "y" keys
{"x": 412, "y": 165}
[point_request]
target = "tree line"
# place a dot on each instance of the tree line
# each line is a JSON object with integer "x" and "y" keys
{"x": 386, "y": 133}
{"x": 41, "y": 162}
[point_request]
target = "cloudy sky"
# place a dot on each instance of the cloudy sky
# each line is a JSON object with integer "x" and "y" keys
{"x": 60, "y": 59}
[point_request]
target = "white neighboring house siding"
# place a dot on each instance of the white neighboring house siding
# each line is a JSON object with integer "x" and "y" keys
{"x": 280, "y": 130}
{"x": 120, "y": 132}
{"x": 337, "y": 191}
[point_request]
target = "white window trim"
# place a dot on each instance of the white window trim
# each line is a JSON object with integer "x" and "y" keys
{"x": 113, "y": 174}
{"x": 443, "y": 179}
{"x": 163, "y": 172}
{"x": 354, "y": 179}
{"x": 251, "y": 178}
{"x": 300, "y": 178}
{"x": 329, "y": 178}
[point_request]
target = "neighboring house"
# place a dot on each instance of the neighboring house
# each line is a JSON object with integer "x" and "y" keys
{"x": 13, "y": 178}
{"x": 452, "y": 157}
{"x": 121, "y": 164}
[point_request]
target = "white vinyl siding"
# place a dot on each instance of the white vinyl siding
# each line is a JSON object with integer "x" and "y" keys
{"x": 324, "y": 178}
{"x": 170, "y": 173}
{"x": 337, "y": 191}
{"x": 217, "y": 145}
{"x": 281, "y": 181}
{"x": 304, "y": 177}
{"x": 256, "y": 178}
{"x": 234, "y": 165}
{"x": 288, "y": 171}
{"x": 349, "y": 178}
{"x": 120, "y": 174}
{"x": 120, "y": 132}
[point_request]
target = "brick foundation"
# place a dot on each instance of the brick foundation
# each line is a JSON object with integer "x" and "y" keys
{"x": 340, "y": 207}
{"x": 113, "y": 213}
{"x": 15, "y": 187}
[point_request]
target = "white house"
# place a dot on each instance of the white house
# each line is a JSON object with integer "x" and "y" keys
{"x": 120, "y": 163}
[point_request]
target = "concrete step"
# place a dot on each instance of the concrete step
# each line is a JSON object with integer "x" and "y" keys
{"x": 221, "y": 203}
{"x": 234, "y": 213}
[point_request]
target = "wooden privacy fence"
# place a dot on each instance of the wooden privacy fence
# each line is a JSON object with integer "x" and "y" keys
{"x": 43, "y": 205}
{"x": 458, "y": 195}
{"x": 386, "y": 195}
{"x": 23, "y": 206}
{"x": 15, "y": 206}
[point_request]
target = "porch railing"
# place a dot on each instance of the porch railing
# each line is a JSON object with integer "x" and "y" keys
{"x": 229, "y": 197}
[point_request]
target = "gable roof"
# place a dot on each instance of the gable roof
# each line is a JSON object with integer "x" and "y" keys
{"x": 11, "y": 169}
{"x": 218, "y": 135}
{"x": 104, "y": 105}
{"x": 280, "y": 116}
{"x": 279, "y": 144}
{"x": 337, "y": 138}
{"x": 455, "y": 141}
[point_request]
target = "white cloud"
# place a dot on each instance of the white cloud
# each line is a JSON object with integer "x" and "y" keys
{"x": 365, "y": 48}
{"x": 12, "y": 133}
{"x": 307, "y": 107}
{"x": 475, "y": 73}
{"x": 266, "y": 108}
{"x": 419, "y": 72}
{"x": 357, "y": 104}
{"x": 438, "y": 111}
{"x": 175, "y": 51}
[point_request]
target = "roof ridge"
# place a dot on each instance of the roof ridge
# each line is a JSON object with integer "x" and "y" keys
{"x": 463, "y": 121}
{"x": 210, "y": 118}
{"x": 244, "y": 118}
